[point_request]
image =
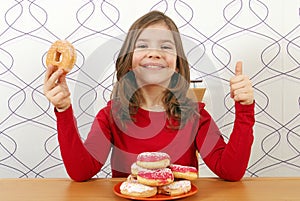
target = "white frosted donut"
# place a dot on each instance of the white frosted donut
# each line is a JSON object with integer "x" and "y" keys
{"x": 153, "y": 160}
{"x": 132, "y": 179}
{"x": 157, "y": 177}
{"x": 135, "y": 168}
{"x": 137, "y": 189}
{"x": 184, "y": 172}
{"x": 175, "y": 188}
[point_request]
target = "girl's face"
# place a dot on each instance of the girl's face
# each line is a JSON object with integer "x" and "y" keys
{"x": 154, "y": 56}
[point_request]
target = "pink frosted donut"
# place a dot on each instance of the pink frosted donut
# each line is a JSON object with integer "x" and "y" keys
{"x": 157, "y": 177}
{"x": 175, "y": 188}
{"x": 184, "y": 172}
{"x": 153, "y": 160}
{"x": 137, "y": 189}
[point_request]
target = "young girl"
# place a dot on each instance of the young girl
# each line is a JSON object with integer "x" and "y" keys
{"x": 149, "y": 111}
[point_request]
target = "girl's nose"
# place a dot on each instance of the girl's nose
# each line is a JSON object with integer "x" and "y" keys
{"x": 154, "y": 53}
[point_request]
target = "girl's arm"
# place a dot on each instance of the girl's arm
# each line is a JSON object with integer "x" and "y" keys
{"x": 78, "y": 158}
{"x": 228, "y": 161}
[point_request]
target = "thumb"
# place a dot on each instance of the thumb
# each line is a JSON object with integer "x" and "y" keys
{"x": 239, "y": 68}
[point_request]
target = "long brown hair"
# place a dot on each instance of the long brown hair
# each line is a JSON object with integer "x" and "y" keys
{"x": 178, "y": 107}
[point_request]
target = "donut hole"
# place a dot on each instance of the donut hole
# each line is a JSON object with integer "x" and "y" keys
{"x": 58, "y": 57}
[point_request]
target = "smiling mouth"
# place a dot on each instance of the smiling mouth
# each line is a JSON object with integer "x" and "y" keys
{"x": 154, "y": 67}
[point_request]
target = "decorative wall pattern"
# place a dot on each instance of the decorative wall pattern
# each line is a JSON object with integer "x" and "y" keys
{"x": 264, "y": 34}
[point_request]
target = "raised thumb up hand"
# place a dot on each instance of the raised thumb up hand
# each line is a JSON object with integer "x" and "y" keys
{"x": 241, "y": 87}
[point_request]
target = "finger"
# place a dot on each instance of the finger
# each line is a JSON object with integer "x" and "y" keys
{"x": 62, "y": 79}
{"x": 238, "y": 84}
{"x": 61, "y": 98}
{"x": 51, "y": 81}
{"x": 244, "y": 98}
{"x": 239, "y": 68}
{"x": 58, "y": 95}
{"x": 55, "y": 76}
{"x": 244, "y": 94}
{"x": 49, "y": 71}
{"x": 237, "y": 79}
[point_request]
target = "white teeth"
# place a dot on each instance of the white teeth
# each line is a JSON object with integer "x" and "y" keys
{"x": 153, "y": 67}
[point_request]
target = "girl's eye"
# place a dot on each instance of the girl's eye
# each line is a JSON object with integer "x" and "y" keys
{"x": 141, "y": 46}
{"x": 166, "y": 47}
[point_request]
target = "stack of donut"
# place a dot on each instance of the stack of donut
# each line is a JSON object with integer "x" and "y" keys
{"x": 153, "y": 173}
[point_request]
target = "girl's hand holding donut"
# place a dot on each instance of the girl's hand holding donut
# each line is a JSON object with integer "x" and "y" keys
{"x": 60, "y": 60}
{"x": 56, "y": 89}
{"x": 241, "y": 87}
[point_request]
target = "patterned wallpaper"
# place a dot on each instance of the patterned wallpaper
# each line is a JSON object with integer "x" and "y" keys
{"x": 264, "y": 34}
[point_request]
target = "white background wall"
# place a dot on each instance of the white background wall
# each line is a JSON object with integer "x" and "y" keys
{"x": 264, "y": 34}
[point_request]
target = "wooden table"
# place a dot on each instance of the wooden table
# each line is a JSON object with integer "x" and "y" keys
{"x": 262, "y": 189}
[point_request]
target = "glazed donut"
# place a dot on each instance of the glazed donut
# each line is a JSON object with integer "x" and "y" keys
{"x": 157, "y": 177}
{"x": 175, "y": 188}
{"x": 61, "y": 54}
{"x": 184, "y": 172}
{"x": 137, "y": 189}
{"x": 153, "y": 160}
{"x": 136, "y": 168}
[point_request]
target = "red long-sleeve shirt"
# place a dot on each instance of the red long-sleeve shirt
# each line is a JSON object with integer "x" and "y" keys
{"x": 150, "y": 132}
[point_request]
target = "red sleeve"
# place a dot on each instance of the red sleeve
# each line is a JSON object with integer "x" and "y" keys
{"x": 228, "y": 161}
{"x": 79, "y": 163}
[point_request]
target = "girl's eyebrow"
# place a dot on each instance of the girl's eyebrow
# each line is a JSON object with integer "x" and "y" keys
{"x": 168, "y": 41}
{"x": 163, "y": 40}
